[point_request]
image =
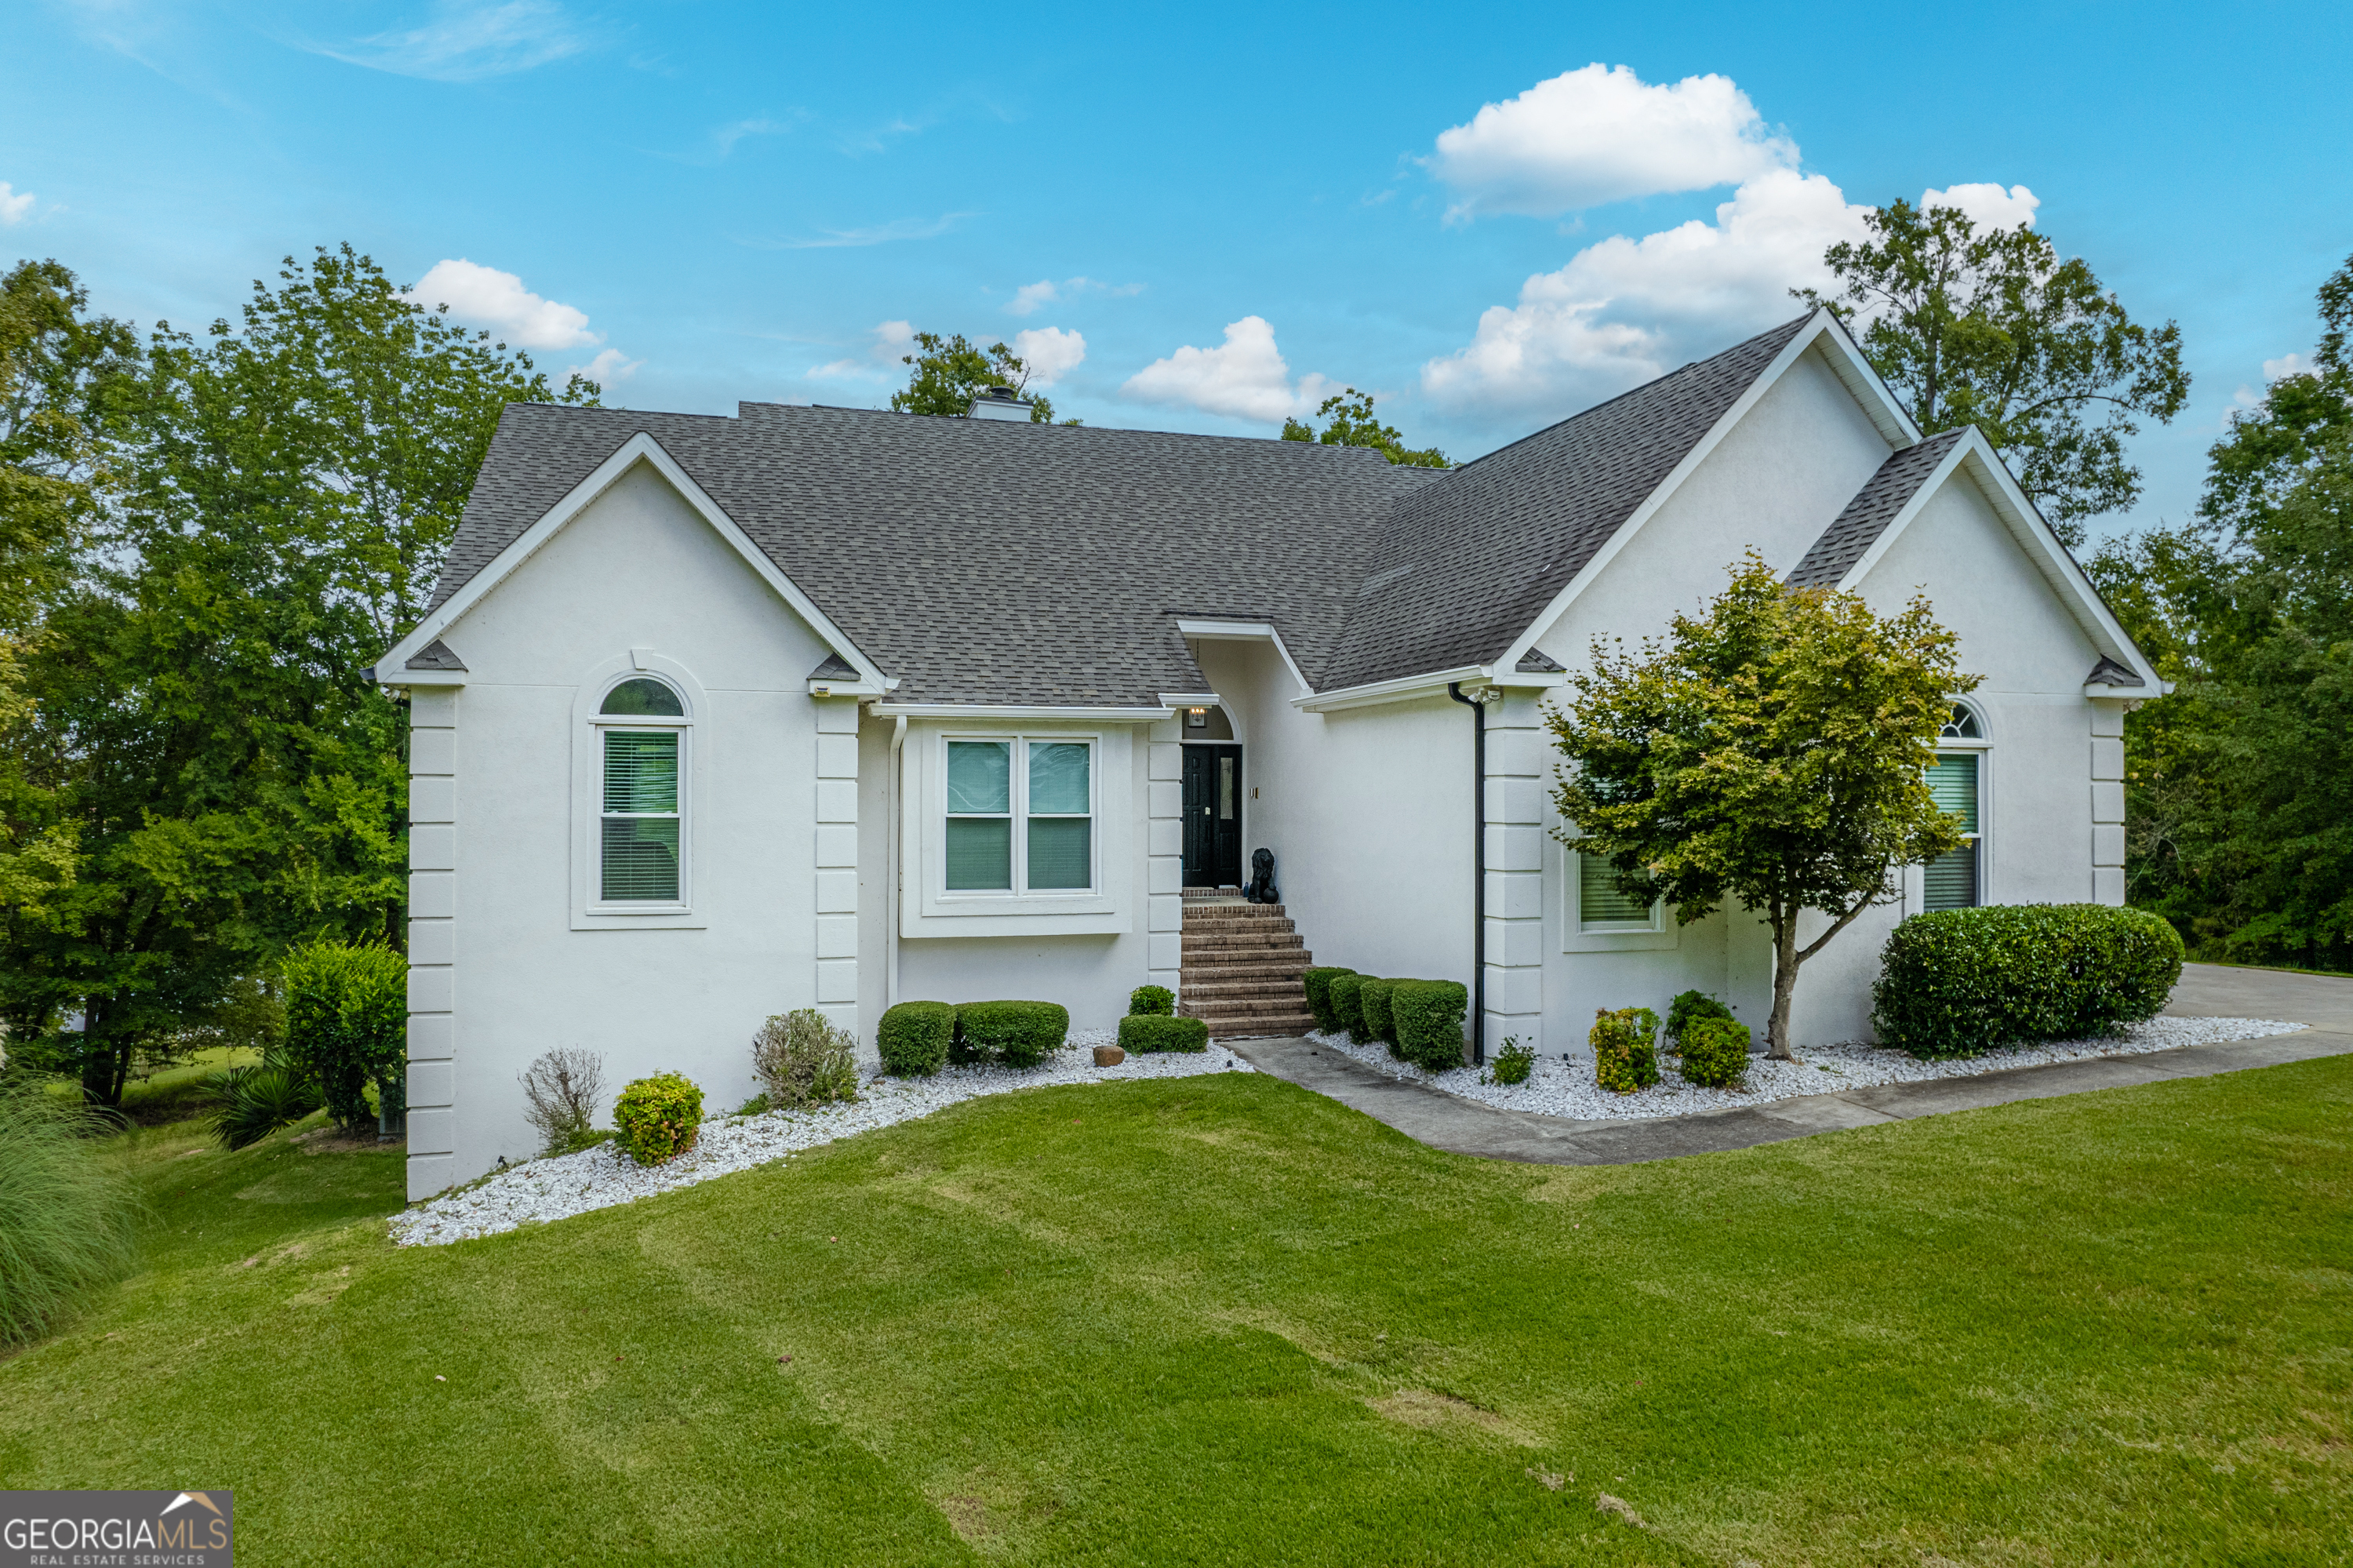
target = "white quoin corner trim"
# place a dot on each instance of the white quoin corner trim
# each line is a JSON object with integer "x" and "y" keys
{"x": 640, "y": 448}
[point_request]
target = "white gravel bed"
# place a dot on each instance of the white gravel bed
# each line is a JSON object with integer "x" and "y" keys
{"x": 1566, "y": 1088}
{"x": 598, "y": 1178}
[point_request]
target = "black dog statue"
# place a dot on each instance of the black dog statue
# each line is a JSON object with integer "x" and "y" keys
{"x": 1262, "y": 888}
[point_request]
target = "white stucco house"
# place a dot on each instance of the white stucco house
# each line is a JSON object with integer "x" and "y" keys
{"x": 713, "y": 719}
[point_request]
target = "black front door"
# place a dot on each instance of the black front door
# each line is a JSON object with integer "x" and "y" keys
{"x": 1213, "y": 816}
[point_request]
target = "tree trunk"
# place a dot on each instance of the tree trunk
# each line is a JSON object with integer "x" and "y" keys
{"x": 1785, "y": 960}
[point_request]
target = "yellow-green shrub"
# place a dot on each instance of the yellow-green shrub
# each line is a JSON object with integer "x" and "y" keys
{"x": 1625, "y": 1049}
{"x": 1716, "y": 1051}
{"x": 658, "y": 1118}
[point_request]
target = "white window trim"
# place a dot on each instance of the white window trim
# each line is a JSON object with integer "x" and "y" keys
{"x": 590, "y": 910}
{"x": 1916, "y": 878}
{"x": 1659, "y": 934}
{"x": 930, "y": 909}
{"x": 1018, "y": 813}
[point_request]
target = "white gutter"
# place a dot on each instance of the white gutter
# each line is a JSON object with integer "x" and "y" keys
{"x": 1408, "y": 688}
{"x": 1020, "y": 710}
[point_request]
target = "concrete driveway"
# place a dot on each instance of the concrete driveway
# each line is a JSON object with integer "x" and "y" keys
{"x": 1466, "y": 1126}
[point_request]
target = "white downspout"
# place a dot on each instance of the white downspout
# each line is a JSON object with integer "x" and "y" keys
{"x": 895, "y": 794}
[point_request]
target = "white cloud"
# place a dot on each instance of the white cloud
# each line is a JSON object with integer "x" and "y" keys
{"x": 13, "y": 206}
{"x": 1601, "y": 134}
{"x": 484, "y": 296}
{"x": 879, "y": 234}
{"x": 1244, "y": 377}
{"x": 2285, "y": 365}
{"x": 1623, "y": 311}
{"x": 1051, "y": 353}
{"x": 1988, "y": 206}
{"x": 467, "y": 41}
{"x": 609, "y": 367}
{"x": 879, "y": 363}
{"x": 1031, "y": 298}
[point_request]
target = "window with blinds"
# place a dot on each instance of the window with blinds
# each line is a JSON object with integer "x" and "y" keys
{"x": 1600, "y": 907}
{"x": 1950, "y": 881}
{"x": 1020, "y": 804}
{"x": 640, "y": 817}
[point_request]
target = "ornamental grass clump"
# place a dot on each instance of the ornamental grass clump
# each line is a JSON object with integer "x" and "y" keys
{"x": 1012, "y": 1034}
{"x": 1625, "y": 1049}
{"x": 1347, "y": 992}
{"x": 561, "y": 1092}
{"x": 658, "y": 1118}
{"x": 1958, "y": 982}
{"x": 1317, "y": 982}
{"x": 1152, "y": 1002}
{"x": 1715, "y": 1052}
{"x": 802, "y": 1058}
{"x": 1427, "y": 1015}
{"x": 913, "y": 1038}
{"x": 1147, "y": 1032}
{"x": 66, "y": 1208}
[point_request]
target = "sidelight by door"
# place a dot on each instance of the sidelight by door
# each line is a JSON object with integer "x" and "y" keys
{"x": 1213, "y": 816}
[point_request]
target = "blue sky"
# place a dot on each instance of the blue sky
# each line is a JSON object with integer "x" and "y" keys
{"x": 1205, "y": 217}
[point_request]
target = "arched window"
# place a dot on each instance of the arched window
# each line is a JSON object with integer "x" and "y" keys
{"x": 641, "y": 833}
{"x": 1957, "y": 880}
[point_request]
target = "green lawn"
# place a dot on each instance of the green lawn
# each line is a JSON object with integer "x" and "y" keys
{"x": 1221, "y": 1320}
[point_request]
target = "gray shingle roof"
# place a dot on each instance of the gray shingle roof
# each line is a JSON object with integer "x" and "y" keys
{"x": 435, "y": 655}
{"x": 990, "y": 561}
{"x": 985, "y": 561}
{"x": 2108, "y": 672}
{"x": 834, "y": 667}
{"x": 1874, "y": 506}
{"x": 1464, "y": 566}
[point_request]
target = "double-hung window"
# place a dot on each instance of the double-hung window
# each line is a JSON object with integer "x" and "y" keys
{"x": 641, "y": 819}
{"x": 1020, "y": 816}
{"x": 1956, "y": 880}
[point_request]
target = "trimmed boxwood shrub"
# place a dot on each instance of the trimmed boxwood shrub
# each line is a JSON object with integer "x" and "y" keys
{"x": 658, "y": 1118}
{"x": 1716, "y": 1051}
{"x": 1143, "y": 1032}
{"x": 1348, "y": 1006}
{"x": 1687, "y": 1006}
{"x": 1016, "y": 1034}
{"x": 1373, "y": 1001}
{"x": 1625, "y": 1049}
{"x": 913, "y": 1038}
{"x": 1427, "y": 1015}
{"x": 1956, "y": 982}
{"x": 1151, "y": 1002}
{"x": 1318, "y": 982}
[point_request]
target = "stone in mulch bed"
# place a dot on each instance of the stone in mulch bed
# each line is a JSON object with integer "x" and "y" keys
{"x": 543, "y": 1190}
{"x": 1566, "y": 1088}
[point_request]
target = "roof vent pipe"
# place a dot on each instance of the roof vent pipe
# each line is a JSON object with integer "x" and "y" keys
{"x": 1000, "y": 403}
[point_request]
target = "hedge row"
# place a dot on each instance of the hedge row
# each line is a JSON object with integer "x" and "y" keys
{"x": 1147, "y": 1032}
{"x": 916, "y": 1039}
{"x": 1956, "y": 982}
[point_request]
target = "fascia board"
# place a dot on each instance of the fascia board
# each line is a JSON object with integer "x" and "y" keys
{"x": 989, "y": 712}
{"x": 1192, "y": 699}
{"x": 399, "y": 680}
{"x": 843, "y": 689}
{"x": 639, "y": 447}
{"x": 1208, "y": 630}
{"x": 1399, "y": 690}
{"x": 1815, "y": 326}
{"x": 1846, "y": 357}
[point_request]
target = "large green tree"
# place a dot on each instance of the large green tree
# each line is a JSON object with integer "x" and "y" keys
{"x": 1990, "y": 326}
{"x": 947, "y": 372}
{"x": 286, "y": 489}
{"x": 1349, "y": 421}
{"x": 1772, "y": 750}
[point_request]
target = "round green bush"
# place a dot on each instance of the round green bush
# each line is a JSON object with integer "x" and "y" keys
{"x": 1152, "y": 1002}
{"x": 1957, "y": 982}
{"x": 1513, "y": 1063}
{"x": 1428, "y": 1017}
{"x": 1347, "y": 993}
{"x": 1625, "y": 1049}
{"x": 1318, "y": 983}
{"x": 1373, "y": 1001}
{"x": 1687, "y": 1006}
{"x": 1144, "y": 1031}
{"x": 1716, "y": 1051}
{"x": 913, "y": 1038}
{"x": 1014, "y": 1033}
{"x": 660, "y": 1117}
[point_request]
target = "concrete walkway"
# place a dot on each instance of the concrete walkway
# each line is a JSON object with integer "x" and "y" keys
{"x": 1466, "y": 1126}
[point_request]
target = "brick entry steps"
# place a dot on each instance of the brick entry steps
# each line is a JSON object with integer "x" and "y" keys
{"x": 1241, "y": 970}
